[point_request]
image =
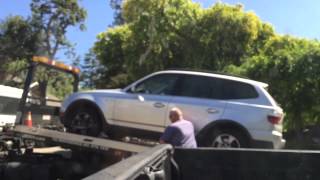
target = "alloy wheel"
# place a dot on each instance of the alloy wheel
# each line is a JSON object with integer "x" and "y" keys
{"x": 226, "y": 141}
{"x": 83, "y": 123}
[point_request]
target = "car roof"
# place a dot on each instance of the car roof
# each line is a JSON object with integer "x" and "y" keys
{"x": 217, "y": 75}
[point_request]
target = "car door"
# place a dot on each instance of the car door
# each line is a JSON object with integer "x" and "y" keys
{"x": 198, "y": 98}
{"x": 147, "y": 102}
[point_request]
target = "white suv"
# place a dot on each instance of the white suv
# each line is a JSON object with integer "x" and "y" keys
{"x": 226, "y": 111}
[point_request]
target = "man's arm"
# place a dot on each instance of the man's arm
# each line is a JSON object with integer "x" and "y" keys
{"x": 167, "y": 135}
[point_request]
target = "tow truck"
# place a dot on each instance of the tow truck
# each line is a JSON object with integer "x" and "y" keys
{"x": 39, "y": 152}
{"x": 74, "y": 156}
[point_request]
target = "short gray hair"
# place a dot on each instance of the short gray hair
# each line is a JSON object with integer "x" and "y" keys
{"x": 177, "y": 110}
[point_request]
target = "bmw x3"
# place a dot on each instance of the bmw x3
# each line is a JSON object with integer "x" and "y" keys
{"x": 226, "y": 111}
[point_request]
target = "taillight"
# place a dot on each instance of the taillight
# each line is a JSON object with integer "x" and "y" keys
{"x": 274, "y": 119}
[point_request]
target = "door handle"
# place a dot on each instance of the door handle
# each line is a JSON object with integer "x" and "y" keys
{"x": 158, "y": 105}
{"x": 141, "y": 98}
{"x": 212, "y": 110}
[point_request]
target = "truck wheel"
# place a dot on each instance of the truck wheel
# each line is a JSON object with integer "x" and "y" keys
{"x": 228, "y": 138}
{"x": 84, "y": 120}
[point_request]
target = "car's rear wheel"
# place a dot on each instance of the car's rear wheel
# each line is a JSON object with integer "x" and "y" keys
{"x": 85, "y": 120}
{"x": 228, "y": 138}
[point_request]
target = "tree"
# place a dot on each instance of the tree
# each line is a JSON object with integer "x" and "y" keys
{"x": 179, "y": 34}
{"x": 42, "y": 34}
{"x": 18, "y": 42}
{"x": 291, "y": 67}
{"x": 51, "y": 18}
{"x": 92, "y": 72}
{"x": 116, "y": 6}
{"x": 113, "y": 49}
{"x": 159, "y": 29}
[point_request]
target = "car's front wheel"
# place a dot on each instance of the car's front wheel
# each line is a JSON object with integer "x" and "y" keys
{"x": 85, "y": 120}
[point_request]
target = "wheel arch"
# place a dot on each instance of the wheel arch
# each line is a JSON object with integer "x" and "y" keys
{"x": 84, "y": 102}
{"x": 223, "y": 123}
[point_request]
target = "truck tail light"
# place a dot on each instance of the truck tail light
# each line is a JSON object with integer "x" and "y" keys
{"x": 274, "y": 119}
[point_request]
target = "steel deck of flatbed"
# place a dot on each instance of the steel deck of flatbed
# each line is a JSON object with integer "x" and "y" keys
{"x": 70, "y": 139}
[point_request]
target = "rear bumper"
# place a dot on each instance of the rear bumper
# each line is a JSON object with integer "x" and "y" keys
{"x": 261, "y": 144}
{"x": 269, "y": 139}
{"x": 268, "y": 144}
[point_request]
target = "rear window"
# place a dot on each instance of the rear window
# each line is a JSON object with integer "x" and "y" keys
{"x": 214, "y": 88}
{"x": 237, "y": 90}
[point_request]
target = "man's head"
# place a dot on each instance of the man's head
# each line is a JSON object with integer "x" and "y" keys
{"x": 175, "y": 114}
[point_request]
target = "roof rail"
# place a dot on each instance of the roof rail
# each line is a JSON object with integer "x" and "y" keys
{"x": 206, "y": 71}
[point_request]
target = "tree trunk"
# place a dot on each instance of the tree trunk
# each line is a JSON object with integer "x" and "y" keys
{"x": 2, "y": 76}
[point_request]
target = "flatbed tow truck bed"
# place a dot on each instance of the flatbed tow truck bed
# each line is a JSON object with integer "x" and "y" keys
{"x": 61, "y": 155}
{"x": 94, "y": 159}
{"x": 74, "y": 140}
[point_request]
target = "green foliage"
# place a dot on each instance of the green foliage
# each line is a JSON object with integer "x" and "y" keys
{"x": 114, "y": 52}
{"x": 15, "y": 71}
{"x": 60, "y": 86}
{"x": 17, "y": 38}
{"x": 116, "y": 6}
{"x": 93, "y": 73}
{"x": 178, "y": 34}
{"x": 51, "y": 18}
{"x": 291, "y": 67}
{"x": 17, "y": 43}
{"x": 41, "y": 34}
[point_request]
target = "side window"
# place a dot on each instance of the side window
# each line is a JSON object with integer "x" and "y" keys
{"x": 237, "y": 90}
{"x": 214, "y": 88}
{"x": 162, "y": 84}
{"x": 199, "y": 87}
{"x": 8, "y": 105}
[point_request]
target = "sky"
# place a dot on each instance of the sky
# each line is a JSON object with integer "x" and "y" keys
{"x": 295, "y": 17}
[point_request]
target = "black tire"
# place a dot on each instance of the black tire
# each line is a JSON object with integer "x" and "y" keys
{"x": 84, "y": 119}
{"x": 227, "y": 138}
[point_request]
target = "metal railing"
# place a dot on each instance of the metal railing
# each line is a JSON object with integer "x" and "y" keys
{"x": 247, "y": 164}
{"x": 151, "y": 164}
{"x": 215, "y": 164}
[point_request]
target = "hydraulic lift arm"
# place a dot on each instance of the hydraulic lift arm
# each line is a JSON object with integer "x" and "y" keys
{"x": 43, "y": 61}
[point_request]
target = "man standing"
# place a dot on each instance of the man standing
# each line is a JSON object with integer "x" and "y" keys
{"x": 180, "y": 133}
